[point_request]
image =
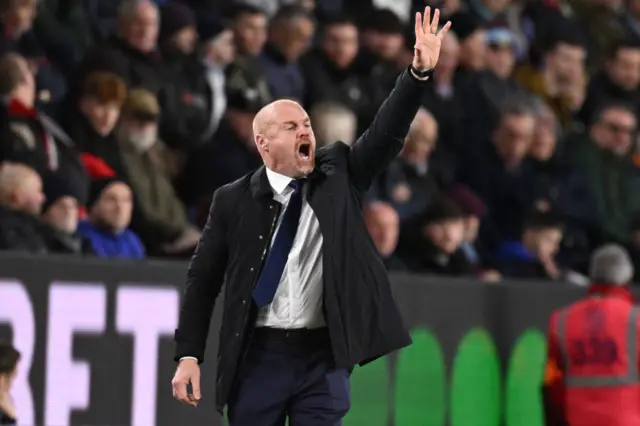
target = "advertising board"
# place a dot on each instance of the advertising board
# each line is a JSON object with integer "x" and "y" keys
{"x": 96, "y": 340}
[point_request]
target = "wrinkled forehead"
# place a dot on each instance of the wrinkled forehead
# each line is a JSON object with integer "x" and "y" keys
{"x": 289, "y": 112}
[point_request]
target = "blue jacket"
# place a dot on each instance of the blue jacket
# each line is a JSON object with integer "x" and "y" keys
{"x": 125, "y": 245}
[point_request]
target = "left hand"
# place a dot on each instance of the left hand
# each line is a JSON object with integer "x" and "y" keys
{"x": 428, "y": 40}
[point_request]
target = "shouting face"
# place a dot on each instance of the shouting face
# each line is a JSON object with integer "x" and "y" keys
{"x": 285, "y": 139}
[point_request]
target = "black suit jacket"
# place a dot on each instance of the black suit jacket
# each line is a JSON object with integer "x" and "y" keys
{"x": 361, "y": 315}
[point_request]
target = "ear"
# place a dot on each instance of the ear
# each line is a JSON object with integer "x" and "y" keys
{"x": 262, "y": 142}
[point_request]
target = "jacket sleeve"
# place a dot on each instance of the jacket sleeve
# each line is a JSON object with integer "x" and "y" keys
{"x": 205, "y": 277}
{"x": 384, "y": 139}
{"x": 553, "y": 389}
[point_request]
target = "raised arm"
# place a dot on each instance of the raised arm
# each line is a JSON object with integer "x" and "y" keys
{"x": 204, "y": 282}
{"x": 383, "y": 141}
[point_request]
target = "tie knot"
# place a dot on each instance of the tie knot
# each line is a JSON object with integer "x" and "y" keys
{"x": 296, "y": 184}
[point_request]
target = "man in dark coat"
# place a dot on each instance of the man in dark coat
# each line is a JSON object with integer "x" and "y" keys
{"x": 300, "y": 317}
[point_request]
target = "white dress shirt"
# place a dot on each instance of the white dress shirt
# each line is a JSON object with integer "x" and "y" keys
{"x": 298, "y": 299}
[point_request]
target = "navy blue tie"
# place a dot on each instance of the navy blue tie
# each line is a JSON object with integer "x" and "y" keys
{"x": 277, "y": 258}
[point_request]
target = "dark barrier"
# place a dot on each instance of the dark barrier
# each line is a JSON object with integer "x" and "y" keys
{"x": 97, "y": 348}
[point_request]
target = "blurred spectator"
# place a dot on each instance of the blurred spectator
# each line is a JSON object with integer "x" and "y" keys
{"x": 232, "y": 154}
{"x": 561, "y": 188}
{"x": 95, "y": 118}
{"x": 561, "y": 79}
{"x": 383, "y": 224}
{"x": 197, "y": 101}
{"x": 474, "y": 210}
{"x": 541, "y": 22}
{"x": 65, "y": 30}
{"x": 533, "y": 255}
{"x": 131, "y": 53}
{"x": 618, "y": 81}
{"x": 9, "y": 360}
{"x": 16, "y": 21}
{"x": 501, "y": 58}
{"x": 249, "y": 26}
{"x": 413, "y": 181}
{"x": 383, "y": 35}
{"x": 290, "y": 32}
{"x": 110, "y": 205}
{"x": 493, "y": 87}
{"x": 603, "y": 155}
{"x": 336, "y": 74}
{"x": 444, "y": 99}
{"x": 333, "y": 122}
{"x": 473, "y": 46}
{"x": 61, "y": 212}
{"x": 431, "y": 242}
{"x": 497, "y": 173}
{"x": 21, "y": 200}
{"x": 178, "y": 34}
{"x": 250, "y": 35}
{"x": 163, "y": 224}
{"x": 383, "y": 49}
{"x": 601, "y": 21}
{"x": 35, "y": 139}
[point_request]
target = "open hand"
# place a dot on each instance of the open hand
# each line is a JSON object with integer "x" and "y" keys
{"x": 428, "y": 40}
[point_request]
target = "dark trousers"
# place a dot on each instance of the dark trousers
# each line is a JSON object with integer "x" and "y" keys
{"x": 289, "y": 374}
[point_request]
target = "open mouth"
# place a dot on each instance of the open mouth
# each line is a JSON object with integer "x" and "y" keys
{"x": 304, "y": 151}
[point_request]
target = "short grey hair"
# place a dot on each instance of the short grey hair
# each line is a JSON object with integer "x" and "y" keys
{"x": 611, "y": 264}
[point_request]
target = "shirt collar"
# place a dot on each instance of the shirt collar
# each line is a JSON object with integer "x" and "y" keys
{"x": 277, "y": 181}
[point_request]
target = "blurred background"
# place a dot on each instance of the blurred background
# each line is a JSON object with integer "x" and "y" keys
{"x": 121, "y": 118}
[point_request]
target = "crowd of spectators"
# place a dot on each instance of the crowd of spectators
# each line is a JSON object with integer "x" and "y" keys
{"x": 120, "y": 119}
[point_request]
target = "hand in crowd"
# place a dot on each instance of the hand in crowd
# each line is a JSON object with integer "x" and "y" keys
{"x": 551, "y": 267}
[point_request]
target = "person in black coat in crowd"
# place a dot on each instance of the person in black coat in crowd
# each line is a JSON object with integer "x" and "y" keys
{"x": 33, "y": 138}
{"x": 431, "y": 243}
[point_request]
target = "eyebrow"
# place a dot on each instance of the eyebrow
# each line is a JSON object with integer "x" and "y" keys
{"x": 295, "y": 123}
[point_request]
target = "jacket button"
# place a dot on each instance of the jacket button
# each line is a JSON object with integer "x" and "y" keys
{"x": 237, "y": 334}
{"x": 251, "y": 269}
{"x": 260, "y": 237}
{"x": 244, "y": 302}
{"x": 270, "y": 207}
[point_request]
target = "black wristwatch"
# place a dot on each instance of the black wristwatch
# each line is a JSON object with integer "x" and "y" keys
{"x": 421, "y": 74}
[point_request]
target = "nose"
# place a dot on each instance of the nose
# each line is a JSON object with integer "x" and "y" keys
{"x": 304, "y": 134}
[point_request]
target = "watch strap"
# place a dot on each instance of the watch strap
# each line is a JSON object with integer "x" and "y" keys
{"x": 421, "y": 74}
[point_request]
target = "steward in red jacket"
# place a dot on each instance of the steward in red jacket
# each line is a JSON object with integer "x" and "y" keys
{"x": 591, "y": 376}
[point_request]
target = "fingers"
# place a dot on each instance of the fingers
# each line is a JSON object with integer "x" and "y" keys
{"x": 418, "y": 24}
{"x": 180, "y": 391}
{"x": 195, "y": 386}
{"x": 427, "y": 19}
{"x": 444, "y": 30}
{"x": 434, "y": 23}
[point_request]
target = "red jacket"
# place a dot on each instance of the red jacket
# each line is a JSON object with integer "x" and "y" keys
{"x": 591, "y": 376}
